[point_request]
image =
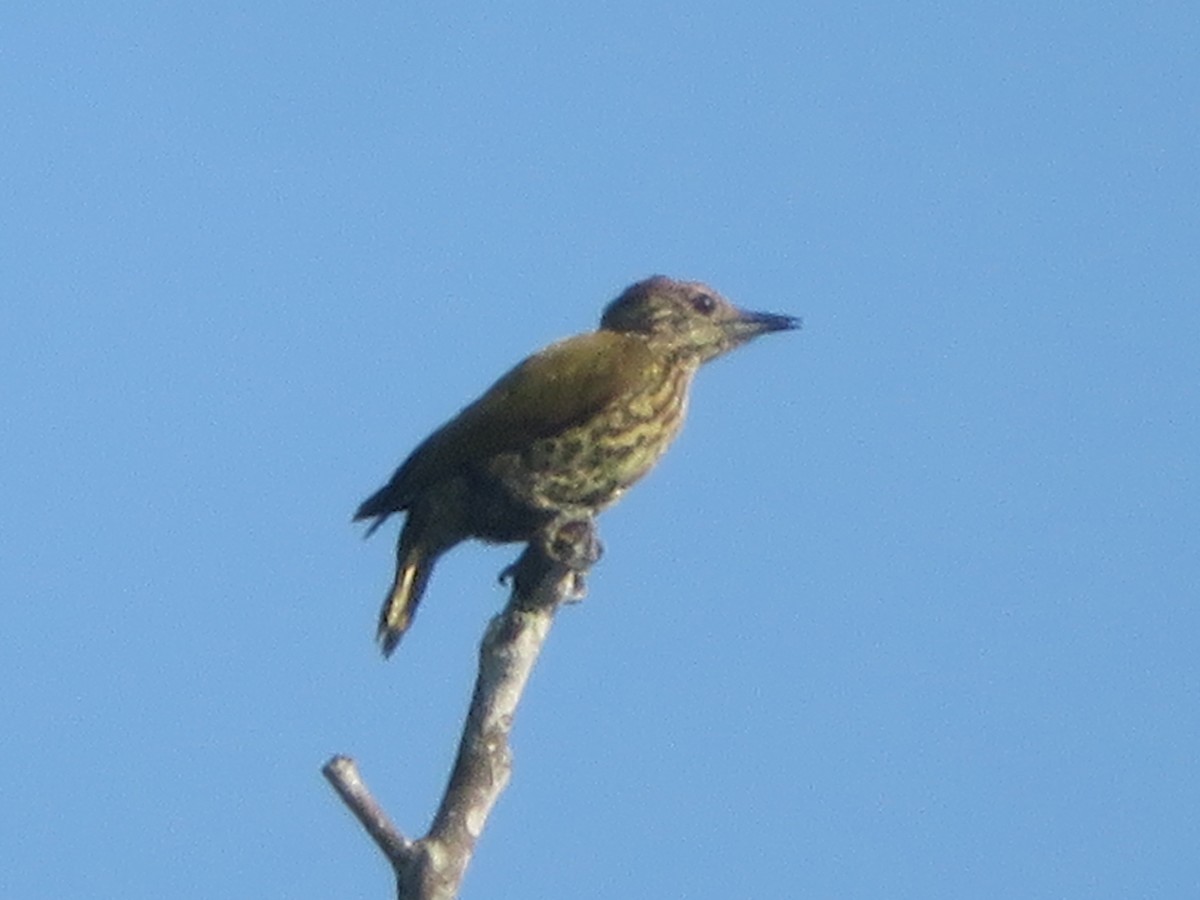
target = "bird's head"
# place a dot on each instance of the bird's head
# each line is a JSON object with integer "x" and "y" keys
{"x": 688, "y": 317}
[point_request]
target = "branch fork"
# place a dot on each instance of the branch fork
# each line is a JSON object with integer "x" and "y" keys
{"x": 550, "y": 572}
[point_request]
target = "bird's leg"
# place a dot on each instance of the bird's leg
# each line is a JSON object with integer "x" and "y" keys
{"x": 571, "y": 542}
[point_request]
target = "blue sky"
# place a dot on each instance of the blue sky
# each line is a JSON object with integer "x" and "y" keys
{"x": 910, "y": 610}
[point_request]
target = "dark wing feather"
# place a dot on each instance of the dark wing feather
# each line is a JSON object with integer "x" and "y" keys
{"x": 549, "y": 392}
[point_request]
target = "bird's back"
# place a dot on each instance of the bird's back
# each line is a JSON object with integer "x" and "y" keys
{"x": 592, "y": 402}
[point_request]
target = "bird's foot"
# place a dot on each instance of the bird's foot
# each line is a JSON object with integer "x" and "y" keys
{"x": 573, "y": 543}
{"x": 570, "y": 542}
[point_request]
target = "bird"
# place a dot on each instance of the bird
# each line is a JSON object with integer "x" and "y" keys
{"x": 561, "y": 436}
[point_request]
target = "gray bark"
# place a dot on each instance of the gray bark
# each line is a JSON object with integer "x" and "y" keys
{"x": 548, "y": 573}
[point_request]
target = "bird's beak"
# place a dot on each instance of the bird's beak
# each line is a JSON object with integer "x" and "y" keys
{"x": 747, "y": 325}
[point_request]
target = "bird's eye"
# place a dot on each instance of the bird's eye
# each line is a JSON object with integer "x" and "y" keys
{"x": 704, "y": 304}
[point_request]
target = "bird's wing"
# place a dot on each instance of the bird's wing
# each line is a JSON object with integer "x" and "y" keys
{"x": 549, "y": 392}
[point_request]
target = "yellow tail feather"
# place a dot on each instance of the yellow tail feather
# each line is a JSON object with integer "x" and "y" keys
{"x": 398, "y": 609}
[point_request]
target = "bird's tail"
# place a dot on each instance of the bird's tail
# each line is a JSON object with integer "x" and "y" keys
{"x": 413, "y": 568}
{"x": 378, "y": 506}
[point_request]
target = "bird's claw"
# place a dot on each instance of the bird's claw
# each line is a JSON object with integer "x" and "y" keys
{"x": 507, "y": 574}
{"x": 570, "y": 542}
{"x": 574, "y": 544}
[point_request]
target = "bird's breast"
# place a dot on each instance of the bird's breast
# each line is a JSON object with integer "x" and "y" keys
{"x": 589, "y": 465}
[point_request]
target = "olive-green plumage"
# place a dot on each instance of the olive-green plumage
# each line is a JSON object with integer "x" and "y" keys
{"x": 565, "y": 433}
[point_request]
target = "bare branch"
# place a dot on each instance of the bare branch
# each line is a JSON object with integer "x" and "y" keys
{"x": 342, "y": 773}
{"x": 549, "y": 572}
